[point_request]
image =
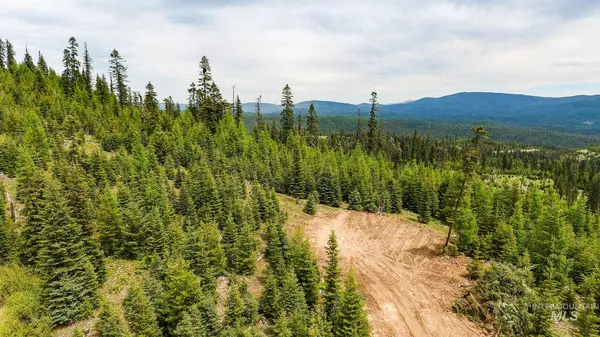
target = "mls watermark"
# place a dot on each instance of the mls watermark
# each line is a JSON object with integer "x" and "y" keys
{"x": 563, "y": 312}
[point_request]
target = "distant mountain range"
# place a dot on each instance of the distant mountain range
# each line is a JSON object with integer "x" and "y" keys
{"x": 575, "y": 114}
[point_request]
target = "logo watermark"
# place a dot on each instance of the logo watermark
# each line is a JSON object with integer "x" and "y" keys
{"x": 562, "y": 312}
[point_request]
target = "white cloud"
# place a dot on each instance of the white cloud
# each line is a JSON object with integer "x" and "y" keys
{"x": 333, "y": 50}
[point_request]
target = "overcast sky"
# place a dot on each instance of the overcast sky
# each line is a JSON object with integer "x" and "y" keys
{"x": 338, "y": 50}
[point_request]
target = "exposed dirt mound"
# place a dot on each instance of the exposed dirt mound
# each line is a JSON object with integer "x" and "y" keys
{"x": 409, "y": 288}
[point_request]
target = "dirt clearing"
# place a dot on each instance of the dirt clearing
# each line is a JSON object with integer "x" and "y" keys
{"x": 409, "y": 288}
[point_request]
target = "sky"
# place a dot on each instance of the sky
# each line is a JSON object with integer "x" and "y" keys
{"x": 338, "y": 50}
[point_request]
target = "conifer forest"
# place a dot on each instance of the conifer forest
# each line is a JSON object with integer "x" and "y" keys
{"x": 123, "y": 214}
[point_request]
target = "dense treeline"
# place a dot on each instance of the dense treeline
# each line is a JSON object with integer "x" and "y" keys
{"x": 438, "y": 130}
{"x": 99, "y": 171}
{"x": 94, "y": 171}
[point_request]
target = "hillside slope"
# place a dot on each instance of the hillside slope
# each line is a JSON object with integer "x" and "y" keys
{"x": 409, "y": 287}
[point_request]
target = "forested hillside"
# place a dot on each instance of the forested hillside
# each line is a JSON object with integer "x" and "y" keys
{"x": 93, "y": 171}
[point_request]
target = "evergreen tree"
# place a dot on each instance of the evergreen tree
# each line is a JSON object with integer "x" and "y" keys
{"x": 6, "y": 237}
{"x": 140, "y": 314}
{"x": 30, "y": 184}
{"x": 352, "y": 318}
{"x": 118, "y": 73}
{"x": 469, "y": 162}
{"x": 110, "y": 225}
{"x": 239, "y": 112}
{"x": 181, "y": 291}
{"x": 373, "y": 133}
{"x": 297, "y": 186}
{"x": 258, "y": 120}
{"x": 504, "y": 244}
{"x": 87, "y": 69}
{"x": 191, "y": 324}
{"x": 329, "y": 188}
{"x": 28, "y": 60}
{"x": 466, "y": 225}
{"x": 310, "y": 207}
{"x": 108, "y": 323}
{"x": 65, "y": 267}
{"x": 234, "y": 313}
{"x": 304, "y": 263}
{"x": 355, "y": 201}
{"x": 42, "y": 66}
{"x": 71, "y": 63}
{"x": 312, "y": 126}
{"x": 287, "y": 114}
{"x": 270, "y": 301}
{"x": 332, "y": 291}
{"x": 11, "y": 61}
{"x": 2, "y": 55}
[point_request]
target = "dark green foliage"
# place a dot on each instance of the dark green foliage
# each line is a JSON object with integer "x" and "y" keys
{"x": 234, "y": 312}
{"x": 65, "y": 267}
{"x": 332, "y": 291}
{"x": 191, "y": 325}
{"x": 108, "y": 323}
{"x": 139, "y": 313}
{"x": 304, "y": 263}
{"x": 181, "y": 291}
{"x": 329, "y": 188}
{"x": 287, "y": 114}
{"x": 110, "y": 226}
{"x": 312, "y": 126}
{"x": 355, "y": 201}
{"x": 352, "y": 317}
{"x": 6, "y": 235}
{"x": 373, "y": 133}
{"x": 310, "y": 207}
{"x": 118, "y": 77}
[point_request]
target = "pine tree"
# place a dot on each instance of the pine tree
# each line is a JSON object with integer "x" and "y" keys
{"x": 42, "y": 66}
{"x": 181, "y": 291}
{"x": 110, "y": 225}
{"x": 355, "y": 201}
{"x": 352, "y": 317}
{"x": 282, "y": 328}
{"x": 504, "y": 244}
{"x": 259, "y": 124}
{"x": 329, "y": 188}
{"x": 118, "y": 73}
{"x": 310, "y": 207}
{"x": 108, "y": 324}
{"x": 191, "y": 324}
{"x": 234, "y": 312}
{"x": 205, "y": 80}
{"x": 77, "y": 194}
{"x": 292, "y": 295}
{"x": 2, "y": 55}
{"x": 71, "y": 63}
{"x": 469, "y": 162}
{"x": 287, "y": 114}
{"x": 297, "y": 186}
{"x": 6, "y": 237}
{"x": 270, "y": 301}
{"x": 331, "y": 293}
{"x": 140, "y": 314}
{"x": 466, "y": 225}
{"x": 70, "y": 284}
{"x": 396, "y": 197}
{"x": 28, "y": 60}
{"x": 373, "y": 133}
{"x": 87, "y": 69}
{"x": 304, "y": 263}
{"x": 312, "y": 126}
{"x": 11, "y": 61}
{"x": 30, "y": 189}
{"x": 239, "y": 112}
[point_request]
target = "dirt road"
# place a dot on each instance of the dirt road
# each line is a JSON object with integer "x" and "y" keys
{"x": 409, "y": 288}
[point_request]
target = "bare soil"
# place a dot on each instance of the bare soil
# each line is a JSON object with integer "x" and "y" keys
{"x": 409, "y": 287}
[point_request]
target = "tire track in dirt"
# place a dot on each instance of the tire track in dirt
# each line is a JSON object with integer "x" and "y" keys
{"x": 409, "y": 288}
